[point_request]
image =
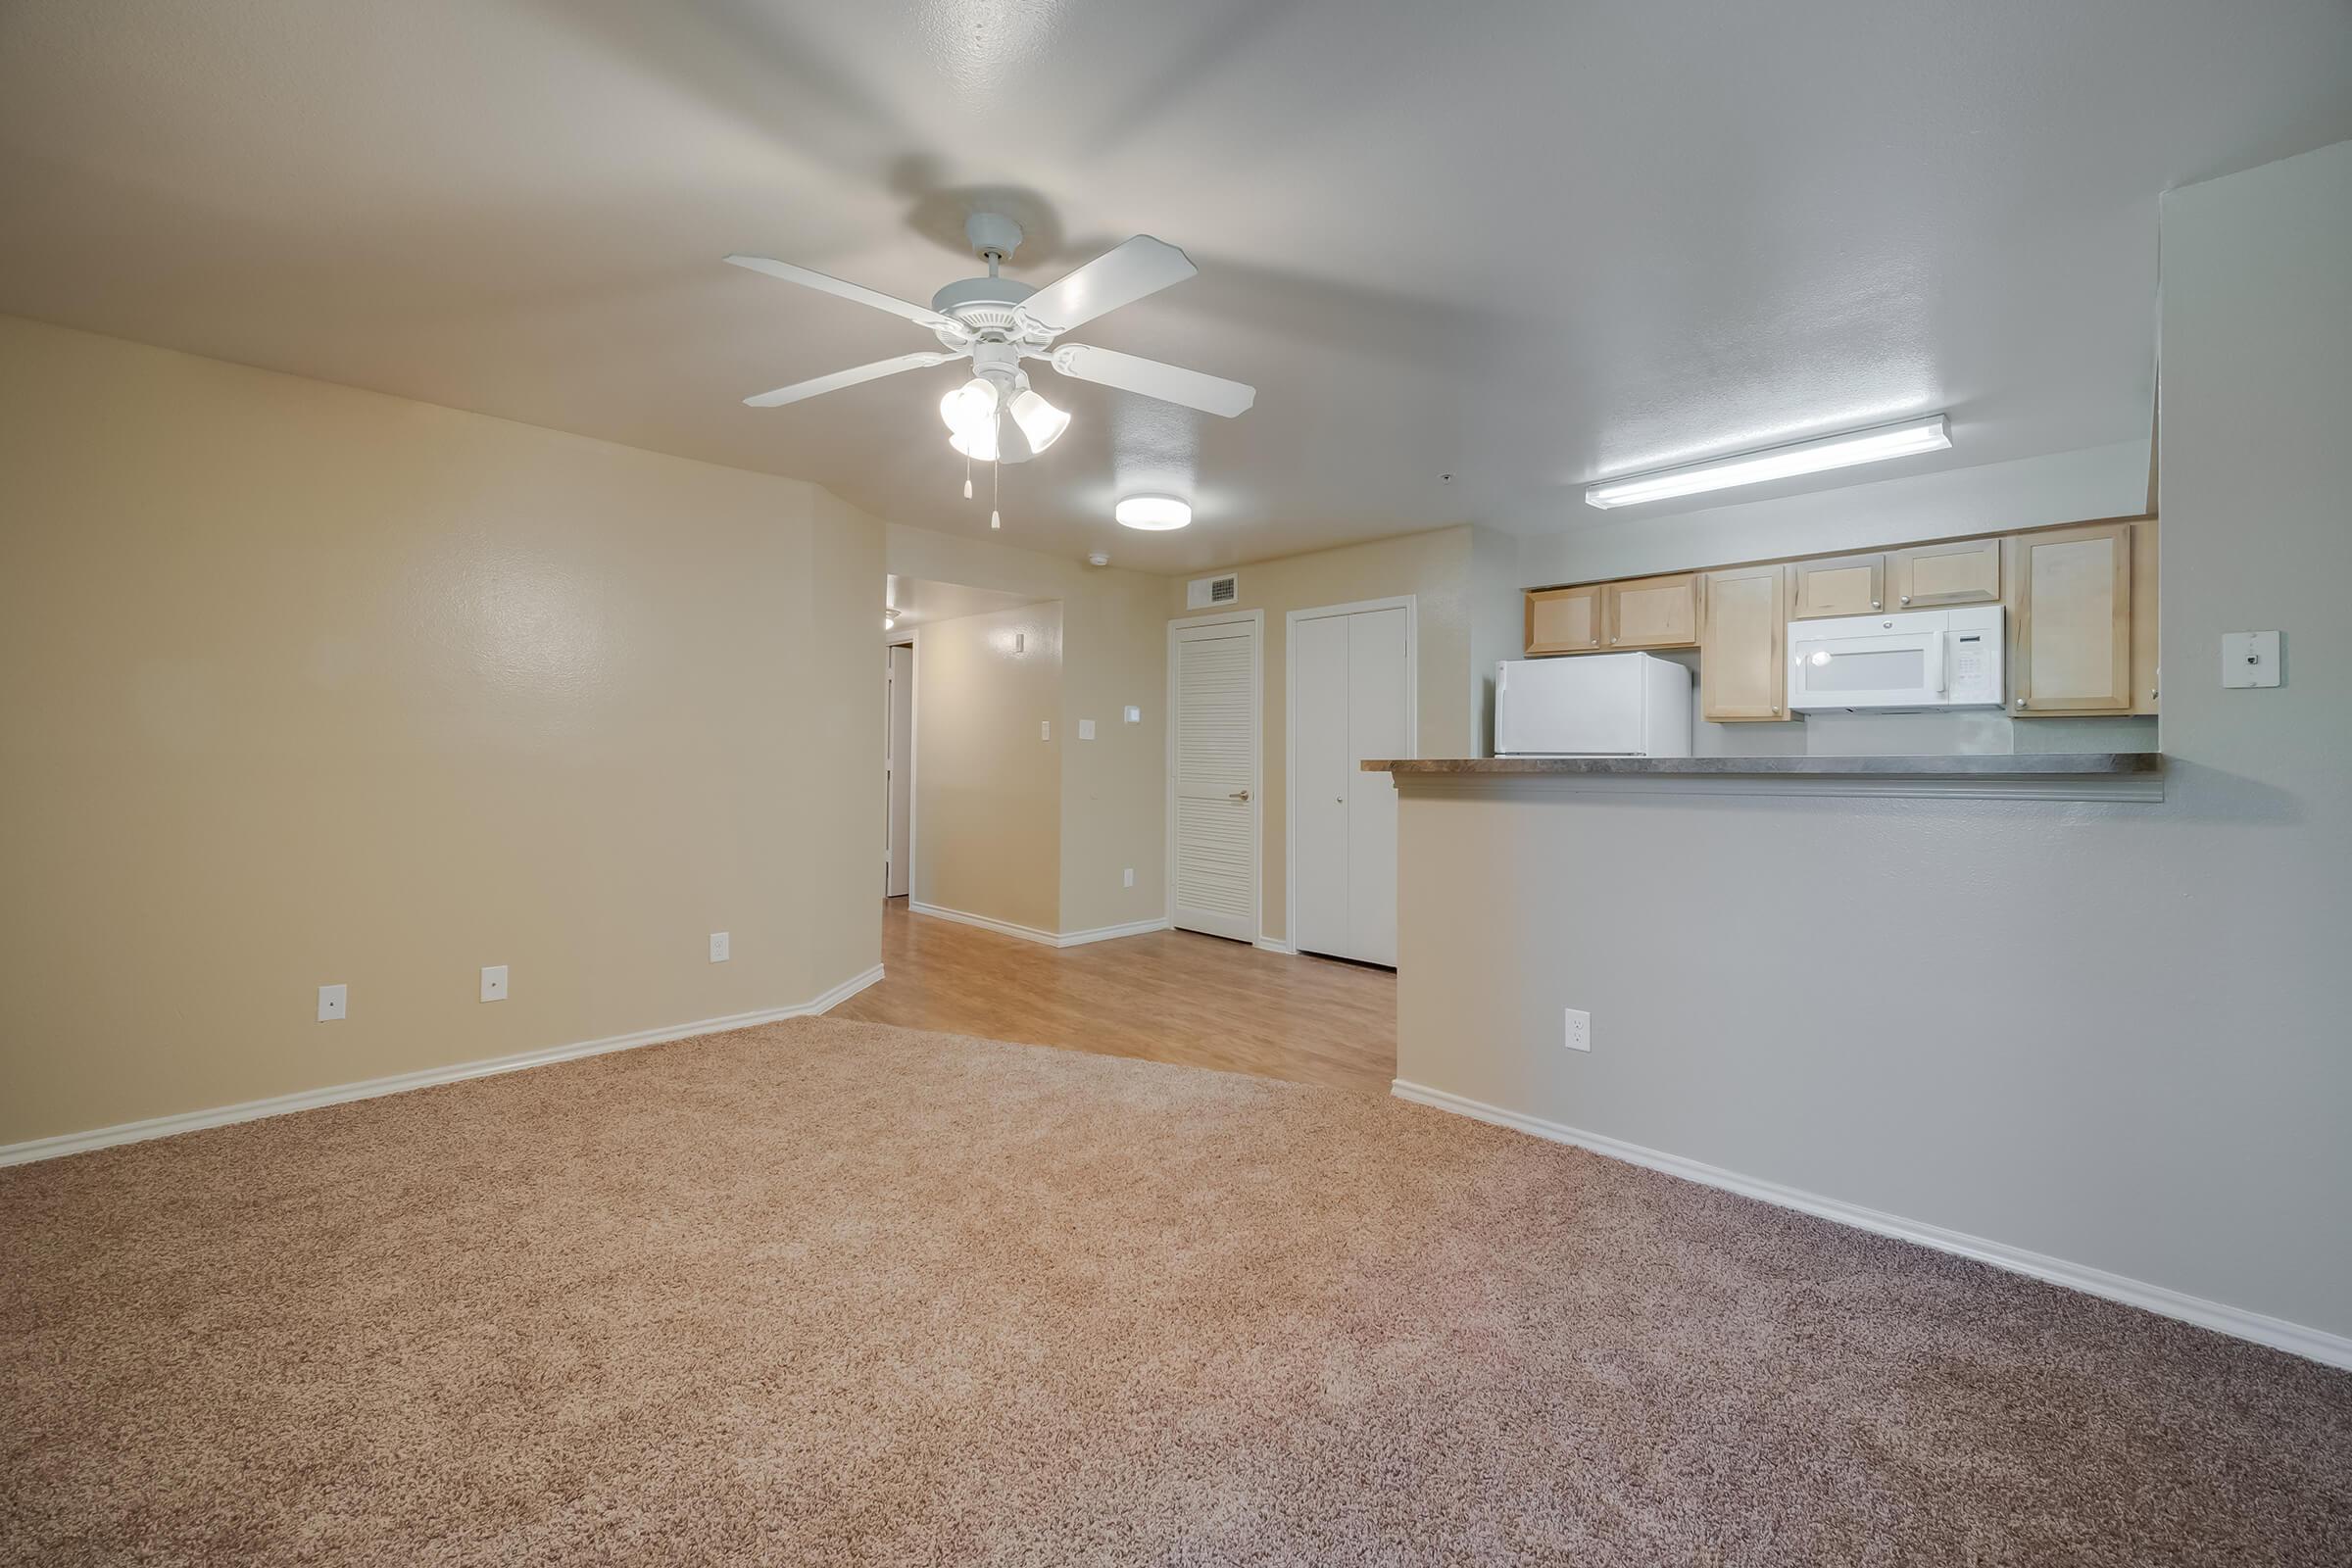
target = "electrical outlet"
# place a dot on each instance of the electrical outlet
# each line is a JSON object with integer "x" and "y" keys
{"x": 1127, "y": 877}
{"x": 718, "y": 947}
{"x": 1086, "y": 729}
{"x": 1580, "y": 1030}
{"x": 332, "y": 1001}
{"x": 1045, "y": 729}
{"x": 494, "y": 983}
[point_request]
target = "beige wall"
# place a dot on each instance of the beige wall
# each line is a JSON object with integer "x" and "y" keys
{"x": 2108, "y": 1033}
{"x": 1113, "y": 788}
{"x": 308, "y": 685}
{"x": 1435, "y": 567}
{"x": 987, "y": 789}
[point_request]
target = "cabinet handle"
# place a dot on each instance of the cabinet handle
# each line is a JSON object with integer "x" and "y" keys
{"x": 2021, "y": 702}
{"x": 1874, "y": 603}
{"x": 1906, "y": 599}
{"x": 1612, "y": 642}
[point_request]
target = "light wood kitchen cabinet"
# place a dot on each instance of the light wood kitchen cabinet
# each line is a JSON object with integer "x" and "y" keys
{"x": 2145, "y": 675}
{"x": 1563, "y": 620}
{"x": 1836, "y": 585}
{"x": 1743, "y": 645}
{"x": 2070, "y": 626}
{"x": 1652, "y": 612}
{"x": 1966, "y": 571}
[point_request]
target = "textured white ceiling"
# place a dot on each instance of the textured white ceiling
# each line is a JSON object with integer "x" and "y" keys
{"x": 1519, "y": 244}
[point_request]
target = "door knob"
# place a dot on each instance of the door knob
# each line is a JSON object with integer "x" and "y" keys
{"x": 1239, "y": 795}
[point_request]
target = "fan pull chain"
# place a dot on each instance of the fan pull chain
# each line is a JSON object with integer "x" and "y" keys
{"x": 967, "y": 478}
{"x": 995, "y": 518}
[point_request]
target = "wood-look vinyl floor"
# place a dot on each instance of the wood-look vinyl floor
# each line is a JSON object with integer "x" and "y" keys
{"x": 1167, "y": 995}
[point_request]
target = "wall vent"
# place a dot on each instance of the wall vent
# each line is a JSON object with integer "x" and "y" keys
{"x": 1207, "y": 593}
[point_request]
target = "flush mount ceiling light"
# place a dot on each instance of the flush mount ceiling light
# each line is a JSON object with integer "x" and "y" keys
{"x": 1875, "y": 445}
{"x": 1152, "y": 514}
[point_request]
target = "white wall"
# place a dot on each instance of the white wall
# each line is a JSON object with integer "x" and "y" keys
{"x": 2111, "y": 1033}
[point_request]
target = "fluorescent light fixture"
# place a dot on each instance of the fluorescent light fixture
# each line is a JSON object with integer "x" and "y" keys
{"x": 973, "y": 403}
{"x": 1875, "y": 445}
{"x": 1154, "y": 513}
{"x": 1041, "y": 421}
{"x": 979, "y": 443}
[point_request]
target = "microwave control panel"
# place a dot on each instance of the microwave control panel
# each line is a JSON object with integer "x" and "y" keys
{"x": 1975, "y": 669}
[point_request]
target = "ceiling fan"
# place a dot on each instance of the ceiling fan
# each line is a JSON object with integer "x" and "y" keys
{"x": 996, "y": 323}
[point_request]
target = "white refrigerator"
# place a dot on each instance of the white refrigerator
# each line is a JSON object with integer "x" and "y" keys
{"x": 1592, "y": 704}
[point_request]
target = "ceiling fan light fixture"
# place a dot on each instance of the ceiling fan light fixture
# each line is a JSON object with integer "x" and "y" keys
{"x": 1041, "y": 421}
{"x": 978, "y": 443}
{"x": 1152, "y": 514}
{"x": 972, "y": 403}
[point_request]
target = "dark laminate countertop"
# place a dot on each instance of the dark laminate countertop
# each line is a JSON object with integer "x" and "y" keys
{"x": 2067, "y": 764}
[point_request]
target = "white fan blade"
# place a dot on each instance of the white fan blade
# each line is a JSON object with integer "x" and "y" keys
{"x": 1118, "y": 276}
{"x": 1170, "y": 383}
{"x": 919, "y": 314}
{"x": 841, "y": 378}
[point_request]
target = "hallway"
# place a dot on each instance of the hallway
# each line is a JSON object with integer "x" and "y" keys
{"x": 1167, "y": 995}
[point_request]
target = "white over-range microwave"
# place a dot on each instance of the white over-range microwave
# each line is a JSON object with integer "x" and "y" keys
{"x": 1914, "y": 660}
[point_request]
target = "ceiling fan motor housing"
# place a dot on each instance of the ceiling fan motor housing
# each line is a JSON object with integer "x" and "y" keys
{"x": 985, "y": 306}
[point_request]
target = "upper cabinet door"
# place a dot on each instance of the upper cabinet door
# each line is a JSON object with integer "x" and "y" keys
{"x": 1743, "y": 642}
{"x": 1836, "y": 585}
{"x": 2072, "y": 632}
{"x": 1563, "y": 620}
{"x": 1968, "y": 572}
{"x": 2144, "y": 617}
{"x": 1653, "y": 612}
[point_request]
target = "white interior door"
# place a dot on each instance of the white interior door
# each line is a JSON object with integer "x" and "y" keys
{"x": 1350, "y": 699}
{"x": 1214, "y": 686}
{"x": 897, "y": 765}
{"x": 1379, "y": 725}
{"x": 1319, "y": 784}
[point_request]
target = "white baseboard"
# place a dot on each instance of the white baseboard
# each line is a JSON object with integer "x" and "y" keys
{"x": 2331, "y": 1350}
{"x": 1030, "y": 933}
{"x": 1107, "y": 933}
{"x": 1269, "y": 945}
{"x": 1002, "y": 928}
{"x": 132, "y": 1132}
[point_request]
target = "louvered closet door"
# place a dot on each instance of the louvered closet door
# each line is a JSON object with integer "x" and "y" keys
{"x": 1216, "y": 779}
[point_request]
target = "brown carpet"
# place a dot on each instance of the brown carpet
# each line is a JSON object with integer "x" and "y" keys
{"x": 833, "y": 1292}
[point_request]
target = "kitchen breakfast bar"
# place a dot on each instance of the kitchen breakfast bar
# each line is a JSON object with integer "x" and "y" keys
{"x": 1803, "y": 978}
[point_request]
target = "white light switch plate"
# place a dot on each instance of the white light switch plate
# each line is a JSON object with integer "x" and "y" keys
{"x": 2250, "y": 658}
{"x": 332, "y": 1003}
{"x": 494, "y": 983}
{"x": 1134, "y": 715}
{"x": 1580, "y": 1030}
{"x": 718, "y": 947}
{"x": 1086, "y": 729}
{"x": 1127, "y": 877}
